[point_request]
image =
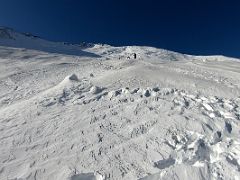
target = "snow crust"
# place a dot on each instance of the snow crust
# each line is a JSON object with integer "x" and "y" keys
{"x": 100, "y": 115}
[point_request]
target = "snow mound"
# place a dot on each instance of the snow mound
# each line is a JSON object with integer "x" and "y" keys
{"x": 71, "y": 90}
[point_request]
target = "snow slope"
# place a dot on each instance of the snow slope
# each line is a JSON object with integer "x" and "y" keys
{"x": 11, "y": 38}
{"x": 95, "y": 114}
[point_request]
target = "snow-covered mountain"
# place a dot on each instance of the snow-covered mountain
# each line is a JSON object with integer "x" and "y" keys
{"x": 87, "y": 111}
{"x": 11, "y": 38}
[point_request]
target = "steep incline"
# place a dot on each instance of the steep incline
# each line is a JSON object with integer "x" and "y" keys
{"x": 164, "y": 115}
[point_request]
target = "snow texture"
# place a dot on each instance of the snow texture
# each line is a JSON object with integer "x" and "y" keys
{"x": 93, "y": 112}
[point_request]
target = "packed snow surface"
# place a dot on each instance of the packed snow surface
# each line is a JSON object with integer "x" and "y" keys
{"x": 70, "y": 112}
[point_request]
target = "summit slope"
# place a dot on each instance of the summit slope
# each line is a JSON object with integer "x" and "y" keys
{"x": 163, "y": 115}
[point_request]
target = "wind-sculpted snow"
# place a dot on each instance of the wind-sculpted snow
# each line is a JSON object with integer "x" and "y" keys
{"x": 75, "y": 128}
{"x": 163, "y": 115}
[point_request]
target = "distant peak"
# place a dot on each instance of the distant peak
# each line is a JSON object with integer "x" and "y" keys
{"x": 6, "y": 33}
{"x": 11, "y": 34}
{"x": 5, "y": 28}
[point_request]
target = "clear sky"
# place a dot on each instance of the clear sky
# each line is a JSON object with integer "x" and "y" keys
{"x": 187, "y": 26}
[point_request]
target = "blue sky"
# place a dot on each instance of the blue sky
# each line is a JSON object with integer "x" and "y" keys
{"x": 193, "y": 27}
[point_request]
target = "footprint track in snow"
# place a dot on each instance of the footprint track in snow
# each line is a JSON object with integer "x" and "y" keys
{"x": 130, "y": 120}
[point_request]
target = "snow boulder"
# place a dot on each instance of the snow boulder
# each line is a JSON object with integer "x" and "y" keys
{"x": 96, "y": 89}
{"x": 73, "y": 77}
